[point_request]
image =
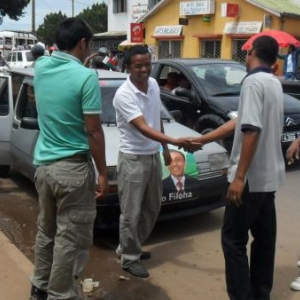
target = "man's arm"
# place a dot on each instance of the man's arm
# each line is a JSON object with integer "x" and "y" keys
{"x": 218, "y": 134}
{"x": 140, "y": 124}
{"x": 292, "y": 152}
{"x": 166, "y": 152}
{"x": 236, "y": 187}
{"x": 97, "y": 146}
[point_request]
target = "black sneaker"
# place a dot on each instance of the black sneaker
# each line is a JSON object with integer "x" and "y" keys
{"x": 37, "y": 294}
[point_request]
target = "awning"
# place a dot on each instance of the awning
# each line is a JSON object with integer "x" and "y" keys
{"x": 127, "y": 44}
{"x": 168, "y": 37}
{"x": 208, "y": 36}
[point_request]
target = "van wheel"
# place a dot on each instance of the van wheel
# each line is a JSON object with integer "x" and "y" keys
{"x": 208, "y": 130}
{"x": 4, "y": 170}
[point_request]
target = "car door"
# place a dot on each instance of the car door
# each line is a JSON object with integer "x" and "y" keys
{"x": 23, "y": 140}
{"x": 6, "y": 117}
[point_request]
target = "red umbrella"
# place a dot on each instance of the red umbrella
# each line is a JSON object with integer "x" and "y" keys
{"x": 283, "y": 39}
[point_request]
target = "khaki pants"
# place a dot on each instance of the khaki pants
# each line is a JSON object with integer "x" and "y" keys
{"x": 140, "y": 192}
{"x": 65, "y": 225}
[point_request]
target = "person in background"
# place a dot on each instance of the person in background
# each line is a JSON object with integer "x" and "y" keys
{"x": 3, "y": 62}
{"x": 183, "y": 85}
{"x": 37, "y": 51}
{"x": 68, "y": 103}
{"x": 256, "y": 170}
{"x": 172, "y": 81}
{"x": 290, "y": 62}
{"x": 51, "y": 49}
{"x": 138, "y": 105}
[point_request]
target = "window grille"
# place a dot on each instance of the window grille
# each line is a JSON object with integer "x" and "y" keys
{"x": 237, "y": 53}
{"x": 169, "y": 49}
{"x": 119, "y": 6}
{"x": 211, "y": 49}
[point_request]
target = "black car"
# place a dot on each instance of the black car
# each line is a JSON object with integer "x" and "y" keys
{"x": 291, "y": 87}
{"x": 213, "y": 95}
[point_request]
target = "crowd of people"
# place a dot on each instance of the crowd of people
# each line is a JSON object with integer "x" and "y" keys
{"x": 67, "y": 92}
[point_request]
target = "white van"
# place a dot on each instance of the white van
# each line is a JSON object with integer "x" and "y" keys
{"x": 20, "y": 59}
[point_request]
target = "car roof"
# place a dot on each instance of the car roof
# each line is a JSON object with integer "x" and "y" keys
{"x": 197, "y": 61}
{"x": 102, "y": 74}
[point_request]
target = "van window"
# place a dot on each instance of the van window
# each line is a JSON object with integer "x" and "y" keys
{"x": 27, "y": 105}
{"x": 4, "y": 108}
{"x": 17, "y": 80}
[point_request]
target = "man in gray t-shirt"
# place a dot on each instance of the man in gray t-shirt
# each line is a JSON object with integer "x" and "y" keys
{"x": 256, "y": 170}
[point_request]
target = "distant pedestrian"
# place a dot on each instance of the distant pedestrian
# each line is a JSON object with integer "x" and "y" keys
{"x": 138, "y": 105}
{"x": 3, "y": 62}
{"x": 37, "y": 51}
{"x": 290, "y": 62}
{"x": 69, "y": 105}
{"x": 256, "y": 170}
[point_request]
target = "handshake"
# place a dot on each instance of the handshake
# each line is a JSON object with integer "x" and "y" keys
{"x": 189, "y": 144}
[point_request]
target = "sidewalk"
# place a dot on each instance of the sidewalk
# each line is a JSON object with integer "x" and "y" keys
{"x": 15, "y": 270}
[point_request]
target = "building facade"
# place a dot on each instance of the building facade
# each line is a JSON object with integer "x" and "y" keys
{"x": 214, "y": 28}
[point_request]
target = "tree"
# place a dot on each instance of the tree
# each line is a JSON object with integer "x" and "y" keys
{"x": 96, "y": 17}
{"x": 13, "y": 8}
{"x": 47, "y": 31}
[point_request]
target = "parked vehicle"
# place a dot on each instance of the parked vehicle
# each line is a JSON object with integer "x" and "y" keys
{"x": 208, "y": 167}
{"x": 213, "y": 96}
{"x": 20, "y": 59}
{"x": 291, "y": 87}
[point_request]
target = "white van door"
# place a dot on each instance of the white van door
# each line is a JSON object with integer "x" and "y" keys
{"x": 23, "y": 140}
{"x": 6, "y": 117}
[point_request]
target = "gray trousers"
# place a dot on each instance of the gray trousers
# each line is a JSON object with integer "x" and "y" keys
{"x": 140, "y": 192}
{"x": 65, "y": 226}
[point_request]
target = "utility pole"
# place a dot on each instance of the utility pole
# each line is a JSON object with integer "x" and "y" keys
{"x": 72, "y": 8}
{"x": 33, "y": 17}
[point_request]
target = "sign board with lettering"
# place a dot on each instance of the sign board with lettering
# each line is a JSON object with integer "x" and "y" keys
{"x": 202, "y": 7}
{"x": 168, "y": 30}
{"x": 137, "y": 11}
{"x": 242, "y": 27}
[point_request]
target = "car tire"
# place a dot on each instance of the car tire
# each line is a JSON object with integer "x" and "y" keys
{"x": 4, "y": 170}
{"x": 210, "y": 129}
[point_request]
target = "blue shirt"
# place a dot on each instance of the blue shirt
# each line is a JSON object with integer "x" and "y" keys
{"x": 65, "y": 90}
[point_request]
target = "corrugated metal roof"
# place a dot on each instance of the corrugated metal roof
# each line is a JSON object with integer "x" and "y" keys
{"x": 278, "y": 7}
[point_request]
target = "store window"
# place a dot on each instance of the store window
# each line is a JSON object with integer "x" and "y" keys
{"x": 211, "y": 48}
{"x": 169, "y": 49}
{"x": 237, "y": 53}
{"x": 119, "y": 6}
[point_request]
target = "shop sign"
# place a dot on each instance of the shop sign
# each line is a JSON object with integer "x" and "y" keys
{"x": 168, "y": 30}
{"x": 202, "y": 7}
{"x": 137, "y": 11}
{"x": 242, "y": 27}
{"x": 136, "y": 32}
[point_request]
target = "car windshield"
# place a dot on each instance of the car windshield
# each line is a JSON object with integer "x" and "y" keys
{"x": 220, "y": 79}
{"x": 108, "y": 90}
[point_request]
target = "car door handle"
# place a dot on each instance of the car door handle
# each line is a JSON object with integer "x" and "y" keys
{"x": 15, "y": 126}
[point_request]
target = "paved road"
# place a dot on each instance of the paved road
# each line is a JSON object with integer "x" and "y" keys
{"x": 187, "y": 261}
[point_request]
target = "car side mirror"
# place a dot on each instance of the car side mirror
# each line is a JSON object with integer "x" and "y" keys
{"x": 177, "y": 115}
{"x": 30, "y": 123}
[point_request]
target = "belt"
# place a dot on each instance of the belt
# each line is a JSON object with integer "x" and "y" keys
{"x": 76, "y": 157}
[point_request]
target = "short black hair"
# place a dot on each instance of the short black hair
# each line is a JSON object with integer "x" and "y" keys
{"x": 135, "y": 50}
{"x": 70, "y": 31}
{"x": 266, "y": 49}
{"x": 292, "y": 47}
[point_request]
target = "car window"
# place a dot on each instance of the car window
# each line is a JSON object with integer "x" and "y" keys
{"x": 218, "y": 79}
{"x": 29, "y": 56}
{"x": 108, "y": 90}
{"x": 4, "y": 103}
{"x": 27, "y": 105}
{"x": 19, "y": 56}
{"x": 9, "y": 57}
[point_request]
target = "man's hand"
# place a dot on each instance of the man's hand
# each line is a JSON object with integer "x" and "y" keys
{"x": 103, "y": 187}
{"x": 189, "y": 144}
{"x": 292, "y": 152}
{"x": 235, "y": 190}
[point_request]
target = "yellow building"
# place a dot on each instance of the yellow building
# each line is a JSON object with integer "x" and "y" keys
{"x": 214, "y": 28}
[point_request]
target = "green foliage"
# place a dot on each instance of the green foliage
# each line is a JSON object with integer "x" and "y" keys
{"x": 13, "y": 8}
{"x": 96, "y": 17}
{"x": 47, "y": 31}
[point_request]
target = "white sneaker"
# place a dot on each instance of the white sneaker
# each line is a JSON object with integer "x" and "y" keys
{"x": 295, "y": 285}
{"x": 298, "y": 263}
